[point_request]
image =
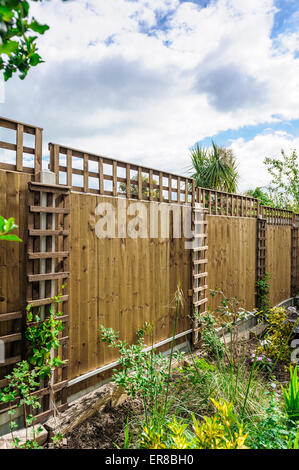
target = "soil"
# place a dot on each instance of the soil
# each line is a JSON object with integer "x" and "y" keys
{"x": 105, "y": 429}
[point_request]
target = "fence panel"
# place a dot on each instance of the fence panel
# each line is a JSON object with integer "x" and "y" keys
{"x": 278, "y": 262}
{"x": 232, "y": 259}
{"x": 120, "y": 283}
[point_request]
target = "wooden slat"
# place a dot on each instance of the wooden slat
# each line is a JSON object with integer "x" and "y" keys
{"x": 10, "y": 316}
{"x": 11, "y": 338}
{"x": 47, "y": 233}
{"x": 50, "y": 189}
{"x": 63, "y": 318}
{"x": 47, "y": 276}
{"x": 101, "y": 176}
{"x": 200, "y": 288}
{"x": 38, "y": 153}
{"x": 200, "y": 275}
{"x": 19, "y": 156}
{"x": 69, "y": 176}
{"x": 114, "y": 170}
{"x": 49, "y": 210}
{"x": 200, "y": 248}
{"x": 11, "y": 360}
{"x": 151, "y": 185}
{"x": 55, "y": 388}
{"x": 200, "y": 261}
{"x": 9, "y": 146}
{"x": 46, "y": 301}
{"x": 128, "y": 180}
{"x": 139, "y": 183}
{"x": 200, "y": 302}
{"x": 48, "y": 255}
{"x": 85, "y": 173}
{"x": 40, "y": 418}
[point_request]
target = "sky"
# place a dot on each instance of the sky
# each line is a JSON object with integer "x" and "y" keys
{"x": 145, "y": 80}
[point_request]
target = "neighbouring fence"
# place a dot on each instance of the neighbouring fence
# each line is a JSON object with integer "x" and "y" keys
{"x": 123, "y": 282}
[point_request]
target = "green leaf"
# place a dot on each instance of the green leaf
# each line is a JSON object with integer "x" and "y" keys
{"x": 9, "y": 47}
{"x": 38, "y": 28}
{"x": 35, "y": 59}
{"x": 10, "y": 238}
{"x": 6, "y": 14}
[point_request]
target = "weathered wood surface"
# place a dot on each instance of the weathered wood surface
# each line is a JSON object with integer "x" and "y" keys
{"x": 278, "y": 262}
{"x": 120, "y": 283}
{"x": 232, "y": 258}
{"x": 13, "y": 193}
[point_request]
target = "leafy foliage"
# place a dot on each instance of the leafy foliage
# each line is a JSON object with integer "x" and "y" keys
{"x": 264, "y": 197}
{"x": 145, "y": 189}
{"x": 43, "y": 338}
{"x": 273, "y": 431}
{"x": 141, "y": 372}
{"x": 18, "y": 35}
{"x": 209, "y": 336}
{"x": 263, "y": 292}
{"x": 6, "y": 227}
{"x": 222, "y": 431}
{"x": 214, "y": 168}
{"x": 275, "y": 345}
{"x": 25, "y": 379}
{"x": 284, "y": 185}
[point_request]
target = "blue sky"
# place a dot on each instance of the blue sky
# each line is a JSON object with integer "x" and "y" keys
{"x": 144, "y": 81}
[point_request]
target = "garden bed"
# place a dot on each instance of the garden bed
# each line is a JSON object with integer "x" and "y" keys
{"x": 106, "y": 427}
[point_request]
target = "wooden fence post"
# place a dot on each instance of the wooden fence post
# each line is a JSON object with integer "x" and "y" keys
{"x": 38, "y": 151}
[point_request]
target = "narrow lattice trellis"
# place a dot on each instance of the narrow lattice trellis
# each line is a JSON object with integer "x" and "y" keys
{"x": 260, "y": 250}
{"x": 199, "y": 267}
{"x": 295, "y": 257}
{"x": 47, "y": 271}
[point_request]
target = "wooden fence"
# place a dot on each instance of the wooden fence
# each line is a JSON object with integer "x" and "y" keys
{"x": 122, "y": 282}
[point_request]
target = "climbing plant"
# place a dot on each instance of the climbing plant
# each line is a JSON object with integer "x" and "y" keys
{"x": 25, "y": 379}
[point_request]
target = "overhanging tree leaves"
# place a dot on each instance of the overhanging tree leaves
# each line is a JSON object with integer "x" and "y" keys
{"x": 18, "y": 35}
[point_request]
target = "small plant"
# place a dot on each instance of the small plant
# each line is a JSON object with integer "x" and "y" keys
{"x": 222, "y": 431}
{"x": 44, "y": 337}
{"x": 229, "y": 314}
{"x": 22, "y": 383}
{"x": 262, "y": 292}
{"x": 209, "y": 336}
{"x": 291, "y": 395}
{"x": 276, "y": 342}
{"x": 6, "y": 227}
{"x": 263, "y": 362}
{"x": 25, "y": 379}
{"x": 272, "y": 431}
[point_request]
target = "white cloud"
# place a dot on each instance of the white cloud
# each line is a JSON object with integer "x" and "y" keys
{"x": 251, "y": 154}
{"x": 110, "y": 88}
